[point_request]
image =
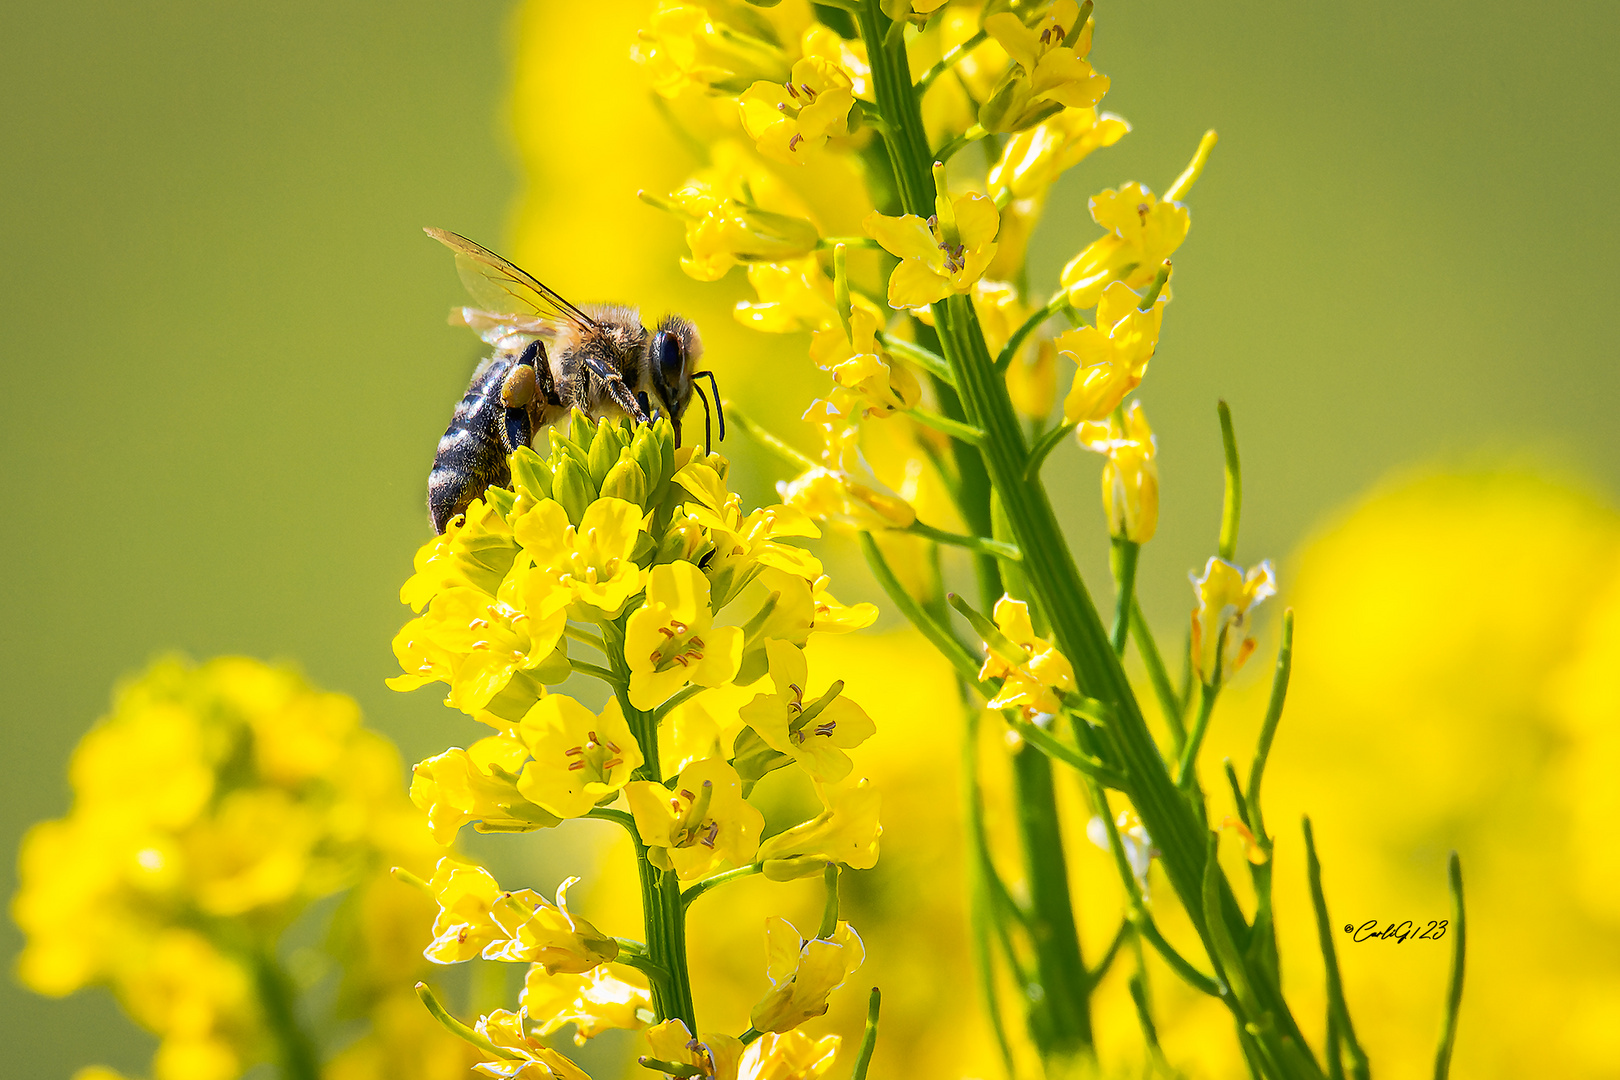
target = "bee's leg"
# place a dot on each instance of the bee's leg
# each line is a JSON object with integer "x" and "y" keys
{"x": 516, "y": 428}
{"x": 617, "y": 390}
{"x": 545, "y": 387}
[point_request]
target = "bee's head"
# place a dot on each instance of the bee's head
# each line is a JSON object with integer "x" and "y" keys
{"x": 672, "y": 360}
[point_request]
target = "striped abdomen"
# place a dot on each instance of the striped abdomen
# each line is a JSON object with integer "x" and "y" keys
{"x": 472, "y": 453}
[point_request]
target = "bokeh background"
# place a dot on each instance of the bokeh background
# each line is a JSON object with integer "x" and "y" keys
{"x": 226, "y": 366}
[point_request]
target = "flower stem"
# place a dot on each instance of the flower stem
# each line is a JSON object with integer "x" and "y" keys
{"x": 279, "y": 1000}
{"x": 1123, "y": 558}
{"x": 1459, "y": 948}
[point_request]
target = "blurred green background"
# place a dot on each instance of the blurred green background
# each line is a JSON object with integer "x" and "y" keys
{"x": 226, "y": 364}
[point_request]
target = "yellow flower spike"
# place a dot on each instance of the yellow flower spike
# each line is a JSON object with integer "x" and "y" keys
{"x": 702, "y": 824}
{"x": 580, "y": 758}
{"x": 1130, "y": 478}
{"x": 588, "y": 568}
{"x": 803, "y": 972}
{"x": 465, "y": 893}
{"x": 790, "y": 1055}
{"x": 1051, "y": 70}
{"x": 538, "y": 932}
{"x": 852, "y": 355}
{"x": 846, "y": 831}
{"x": 814, "y": 730}
{"x": 529, "y": 1058}
{"x": 945, "y": 254}
{"x": 605, "y": 997}
{"x": 1033, "y": 677}
{"x": 1112, "y": 355}
{"x": 715, "y": 1056}
{"x": 790, "y": 122}
{"x": 1220, "y": 621}
{"x": 477, "y": 785}
{"x": 671, "y": 640}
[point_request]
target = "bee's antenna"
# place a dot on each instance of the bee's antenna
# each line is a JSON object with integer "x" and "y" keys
{"x": 717, "y": 408}
{"x": 706, "y": 443}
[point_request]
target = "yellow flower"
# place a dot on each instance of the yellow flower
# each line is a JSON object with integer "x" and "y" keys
{"x": 671, "y": 641}
{"x": 717, "y": 46}
{"x": 1032, "y": 381}
{"x": 478, "y": 643}
{"x": 945, "y": 254}
{"x": 857, "y": 362}
{"x": 580, "y": 758}
{"x": 537, "y": 932}
{"x": 837, "y": 497}
{"x": 1051, "y": 69}
{"x": 715, "y": 1056}
{"x": 465, "y": 892}
{"x": 791, "y": 121}
{"x": 1142, "y": 233}
{"x": 1220, "y": 622}
{"x": 530, "y": 1059}
{"x": 790, "y": 1055}
{"x": 607, "y": 996}
{"x": 1031, "y": 668}
{"x": 478, "y": 784}
{"x": 703, "y": 823}
{"x": 1034, "y": 158}
{"x": 743, "y": 544}
{"x": 803, "y": 972}
{"x": 846, "y": 831}
{"x": 738, "y": 211}
{"x": 590, "y": 567}
{"x": 474, "y": 550}
{"x": 1113, "y": 355}
{"x": 815, "y": 732}
{"x": 793, "y": 296}
{"x": 1130, "y": 479}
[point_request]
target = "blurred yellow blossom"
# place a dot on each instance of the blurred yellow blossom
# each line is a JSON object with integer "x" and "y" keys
{"x": 1130, "y": 478}
{"x": 856, "y": 361}
{"x": 1033, "y": 159}
{"x": 794, "y": 295}
{"x": 738, "y": 212}
{"x": 715, "y": 1056}
{"x": 535, "y": 931}
{"x": 791, "y": 1055}
{"x": 803, "y": 972}
{"x": 525, "y": 1056}
{"x": 716, "y": 46}
{"x": 1220, "y": 621}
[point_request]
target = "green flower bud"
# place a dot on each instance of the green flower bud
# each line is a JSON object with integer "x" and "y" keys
{"x": 604, "y": 453}
{"x": 626, "y": 481}
{"x": 571, "y": 486}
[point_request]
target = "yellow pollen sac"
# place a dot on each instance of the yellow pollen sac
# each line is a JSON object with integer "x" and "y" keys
{"x": 478, "y": 624}
{"x": 593, "y": 758}
{"x": 690, "y": 824}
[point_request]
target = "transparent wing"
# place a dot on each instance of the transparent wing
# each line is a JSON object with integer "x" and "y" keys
{"x": 502, "y": 288}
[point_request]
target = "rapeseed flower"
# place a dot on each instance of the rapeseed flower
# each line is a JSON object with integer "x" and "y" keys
{"x": 790, "y": 1055}
{"x": 1130, "y": 478}
{"x": 579, "y": 757}
{"x": 1032, "y": 671}
{"x": 845, "y": 832}
{"x": 1220, "y": 621}
{"x": 1050, "y": 73}
{"x": 605, "y": 997}
{"x": 791, "y": 121}
{"x": 943, "y": 255}
{"x": 525, "y": 1056}
{"x": 1113, "y": 355}
{"x": 715, "y": 1056}
{"x": 803, "y": 972}
{"x": 815, "y": 731}
{"x": 702, "y": 823}
{"x": 671, "y": 641}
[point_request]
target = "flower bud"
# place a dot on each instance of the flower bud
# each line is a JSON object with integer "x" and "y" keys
{"x": 626, "y": 481}
{"x": 572, "y": 488}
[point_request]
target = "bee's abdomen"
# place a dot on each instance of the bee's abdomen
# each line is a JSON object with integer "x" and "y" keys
{"x": 470, "y": 456}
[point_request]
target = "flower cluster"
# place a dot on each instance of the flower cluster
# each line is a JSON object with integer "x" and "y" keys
{"x": 622, "y": 542}
{"x": 211, "y": 809}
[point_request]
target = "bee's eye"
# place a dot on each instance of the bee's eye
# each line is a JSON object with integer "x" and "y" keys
{"x": 667, "y": 354}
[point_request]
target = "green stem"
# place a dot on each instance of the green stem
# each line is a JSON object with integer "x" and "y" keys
{"x": 967, "y": 668}
{"x": 869, "y": 1040}
{"x": 976, "y": 543}
{"x": 1459, "y": 948}
{"x": 927, "y": 359}
{"x": 699, "y": 888}
{"x": 279, "y": 1000}
{"x": 954, "y": 428}
{"x": 1005, "y": 357}
{"x": 595, "y": 672}
{"x": 1330, "y": 959}
{"x": 1268, "y": 729}
{"x": 1048, "y": 443}
{"x": 1048, "y": 744}
{"x": 456, "y": 1027}
{"x": 1185, "y": 777}
{"x": 579, "y": 633}
{"x": 967, "y": 138}
{"x": 1123, "y": 556}
{"x": 949, "y": 60}
{"x": 1232, "y": 501}
{"x": 1169, "y": 702}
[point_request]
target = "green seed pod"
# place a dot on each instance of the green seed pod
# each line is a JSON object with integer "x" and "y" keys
{"x": 626, "y": 481}
{"x": 572, "y": 487}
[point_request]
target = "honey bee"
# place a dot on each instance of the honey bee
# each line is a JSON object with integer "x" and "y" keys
{"x": 550, "y": 358}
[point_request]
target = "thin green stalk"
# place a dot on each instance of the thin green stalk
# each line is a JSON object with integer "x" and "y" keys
{"x": 1169, "y": 703}
{"x": 954, "y": 428}
{"x": 279, "y": 1000}
{"x": 942, "y": 639}
{"x": 1043, "y": 449}
{"x": 1232, "y": 503}
{"x": 974, "y": 543}
{"x": 829, "y": 910}
{"x": 1268, "y": 728}
{"x": 1330, "y": 959}
{"x": 1185, "y": 776}
{"x": 1454, "y": 987}
{"x": 869, "y": 1040}
{"x": 949, "y": 60}
{"x": 580, "y": 634}
{"x": 967, "y": 138}
{"x": 1005, "y": 357}
{"x": 1047, "y": 744}
{"x": 676, "y": 700}
{"x": 927, "y": 359}
{"x": 1122, "y": 558}
{"x": 1097, "y": 974}
{"x": 983, "y": 877}
{"x": 454, "y": 1026}
{"x": 594, "y": 671}
{"x": 697, "y": 889}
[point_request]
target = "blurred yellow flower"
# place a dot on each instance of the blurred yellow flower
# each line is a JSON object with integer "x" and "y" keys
{"x": 579, "y": 757}
{"x": 1220, "y": 621}
{"x": 1130, "y": 478}
{"x": 715, "y": 46}
{"x": 536, "y": 931}
{"x": 702, "y": 823}
{"x": 856, "y": 361}
{"x": 791, "y": 1055}
{"x": 737, "y": 211}
{"x": 605, "y": 997}
{"x": 793, "y": 296}
{"x": 1051, "y": 70}
{"x": 813, "y": 732}
{"x": 715, "y": 1056}
{"x": 1033, "y": 159}
{"x": 846, "y": 831}
{"x": 671, "y": 640}
{"x": 1113, "y": 355}
{"x": 790, "y": 122}
{"x": 803, "y": 972}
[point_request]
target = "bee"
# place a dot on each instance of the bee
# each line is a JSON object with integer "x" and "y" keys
{"x": 550, "y": 358}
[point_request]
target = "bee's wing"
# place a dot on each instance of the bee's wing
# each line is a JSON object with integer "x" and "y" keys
{"x": 507, "y": 332}
{"x": 503, "y": 289}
